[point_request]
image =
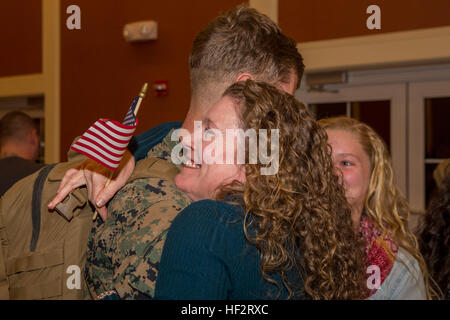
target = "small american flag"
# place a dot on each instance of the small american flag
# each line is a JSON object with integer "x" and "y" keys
{"x": 130, "y": 118}
{"x": 106, "y": 140}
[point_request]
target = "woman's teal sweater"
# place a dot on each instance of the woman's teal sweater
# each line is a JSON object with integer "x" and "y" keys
{"x": 206, "y": 256}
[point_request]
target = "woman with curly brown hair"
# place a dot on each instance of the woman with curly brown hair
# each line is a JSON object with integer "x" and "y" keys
{"x": 250, "y": 235}
{"x": 379, "y": 211}
{"x": 434, "y": 239}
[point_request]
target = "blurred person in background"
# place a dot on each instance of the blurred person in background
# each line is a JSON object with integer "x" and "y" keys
{"x": 434, "y": 236}
{"x": 19, "y": 142}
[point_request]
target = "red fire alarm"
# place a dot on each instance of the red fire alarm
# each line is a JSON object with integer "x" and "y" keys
{"x": 161, "y": 88}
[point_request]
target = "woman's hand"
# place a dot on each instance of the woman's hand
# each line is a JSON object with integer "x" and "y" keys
{"x": 95, "y": 177}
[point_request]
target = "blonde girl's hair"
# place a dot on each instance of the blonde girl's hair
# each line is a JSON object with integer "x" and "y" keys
{"x": 385, "y": 204}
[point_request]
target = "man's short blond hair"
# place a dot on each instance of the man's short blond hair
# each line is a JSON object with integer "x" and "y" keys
{"x": 243, "y": 41}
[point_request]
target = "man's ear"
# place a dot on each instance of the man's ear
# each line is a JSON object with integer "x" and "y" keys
{"x": 244, "y": 76}
{"x": 33, "y": 137}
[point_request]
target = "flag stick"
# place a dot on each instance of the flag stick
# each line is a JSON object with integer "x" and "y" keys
{"x": 141, "y": 96}
{"x": 136, "y": 110}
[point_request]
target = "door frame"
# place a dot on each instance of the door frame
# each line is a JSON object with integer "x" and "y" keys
{"x": 418, "y": 92}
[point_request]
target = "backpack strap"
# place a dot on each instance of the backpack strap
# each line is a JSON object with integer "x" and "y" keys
{"x": 36, "y": 205}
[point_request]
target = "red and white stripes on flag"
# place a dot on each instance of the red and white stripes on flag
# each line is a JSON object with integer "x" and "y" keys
{"x": 105, "y": 142}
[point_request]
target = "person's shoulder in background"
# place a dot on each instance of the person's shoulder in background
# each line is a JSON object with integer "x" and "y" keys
{"x": 13, "y": 169}
{"x": 141, "y": 144}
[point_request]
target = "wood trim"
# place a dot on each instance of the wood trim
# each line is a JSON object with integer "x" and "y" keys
{"x": 23, "y": 85}
{"x": 52, "y": 77}
{"x": 35, "y": 114}
{"x": 267, "y": 7}
{"x": 382, "y": 50}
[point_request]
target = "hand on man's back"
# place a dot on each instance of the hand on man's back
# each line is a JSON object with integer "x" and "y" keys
{"x": 95, "y": 177}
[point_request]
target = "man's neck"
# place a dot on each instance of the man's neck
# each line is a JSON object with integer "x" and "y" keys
{"x": 13, "y": 151}
{"x": 8, "y": 154}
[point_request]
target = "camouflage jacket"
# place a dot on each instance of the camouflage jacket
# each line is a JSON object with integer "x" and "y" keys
{"x": 124, "y": 251}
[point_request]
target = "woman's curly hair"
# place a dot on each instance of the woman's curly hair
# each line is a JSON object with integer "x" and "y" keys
{"x": 298, "y": 218}
{"x": 434, "y": 239}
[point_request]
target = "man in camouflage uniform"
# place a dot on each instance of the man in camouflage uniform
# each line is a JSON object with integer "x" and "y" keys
{"x": 124, "y": 252}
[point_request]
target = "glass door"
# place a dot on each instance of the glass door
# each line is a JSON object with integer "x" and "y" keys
{"x": 429, "y": 137}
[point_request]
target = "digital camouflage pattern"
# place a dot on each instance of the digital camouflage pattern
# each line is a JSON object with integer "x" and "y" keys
{"x": 125, "y": 250}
